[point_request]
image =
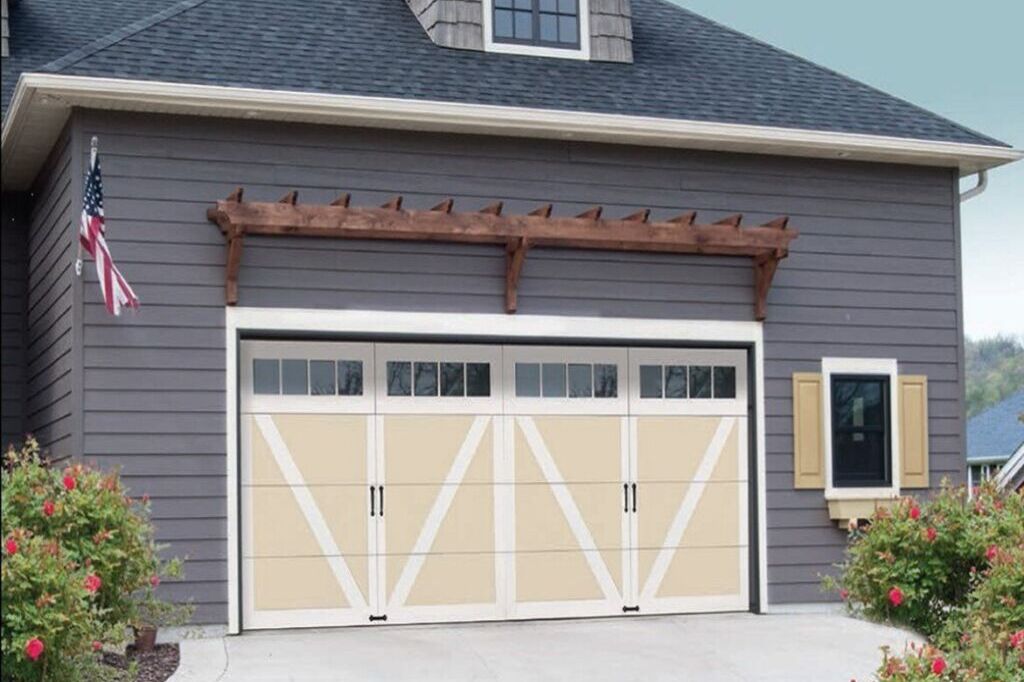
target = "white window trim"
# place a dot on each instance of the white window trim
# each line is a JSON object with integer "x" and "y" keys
{"x": 582, "y": 52}
{"x": 384, "y": 322}
{"x": 872, "y": 366}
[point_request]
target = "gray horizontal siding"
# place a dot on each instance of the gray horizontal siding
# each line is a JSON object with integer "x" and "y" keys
{"x": 50, "y": 406}
{"x": 13, "y": 297}
{"x": 874, "y": 273}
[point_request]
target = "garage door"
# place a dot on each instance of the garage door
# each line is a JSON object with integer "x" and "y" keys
{"x": 442, "y": 482}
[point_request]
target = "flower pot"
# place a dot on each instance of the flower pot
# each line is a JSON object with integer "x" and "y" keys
{"x": 145, "y": 638}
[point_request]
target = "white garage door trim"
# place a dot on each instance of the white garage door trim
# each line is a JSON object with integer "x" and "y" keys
{"x": 467, "y": 326}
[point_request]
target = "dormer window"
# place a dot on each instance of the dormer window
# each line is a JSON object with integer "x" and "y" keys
{"x": 543, "y": 28}
{"x": 554, "y": 23}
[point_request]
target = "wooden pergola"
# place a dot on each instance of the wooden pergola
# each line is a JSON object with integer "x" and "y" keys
{"x": 766, "y": 245}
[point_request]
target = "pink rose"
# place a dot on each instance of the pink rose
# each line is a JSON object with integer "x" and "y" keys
{"x": 34, "y": 648}
{"x": 895, "y": 596}
{"x": 93, "y": 583}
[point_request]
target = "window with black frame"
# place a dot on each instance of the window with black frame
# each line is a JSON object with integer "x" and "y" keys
{"x": 861, "y": 433}
{"x": 548, "y": 23}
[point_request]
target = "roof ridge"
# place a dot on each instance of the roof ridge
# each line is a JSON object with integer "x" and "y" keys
{"x": 114, "y": 37}
{"x": 983, "y": 138}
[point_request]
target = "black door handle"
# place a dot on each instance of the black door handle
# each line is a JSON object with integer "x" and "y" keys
{"x": 382, "y": 502}
{"x": 625, "y": 497}
{"x": 634, "y": 498}
{"x": 373, "y": 501}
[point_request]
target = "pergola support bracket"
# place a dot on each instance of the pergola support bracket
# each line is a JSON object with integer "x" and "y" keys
{"x": 515, "y": 257}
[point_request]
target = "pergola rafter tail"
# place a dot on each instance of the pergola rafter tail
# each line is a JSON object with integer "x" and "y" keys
{"x": 766, "y": 244}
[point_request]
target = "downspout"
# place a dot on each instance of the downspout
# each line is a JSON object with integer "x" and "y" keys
{"x": 967, "y": 195}
{"x": 978, "y": 189}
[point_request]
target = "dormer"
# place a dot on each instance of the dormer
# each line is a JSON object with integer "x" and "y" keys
{"x": 596, "y": 30}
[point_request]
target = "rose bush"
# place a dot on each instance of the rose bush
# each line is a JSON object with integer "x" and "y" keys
{"x": 951, "y": 568}
{"x": 79, "y": 562}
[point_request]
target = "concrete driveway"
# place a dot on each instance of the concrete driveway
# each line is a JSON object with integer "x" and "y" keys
{"x": 719, "y": 648}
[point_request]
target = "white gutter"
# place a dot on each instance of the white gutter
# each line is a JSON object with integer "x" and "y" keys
{"x": 977, "y": 190}
{"x": 30, "y": 121}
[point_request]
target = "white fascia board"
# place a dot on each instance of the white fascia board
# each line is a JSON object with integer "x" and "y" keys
{"x": 41, "y": 103}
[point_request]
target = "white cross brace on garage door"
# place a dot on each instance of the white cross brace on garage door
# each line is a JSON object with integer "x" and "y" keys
{"x": 310, "y": 510}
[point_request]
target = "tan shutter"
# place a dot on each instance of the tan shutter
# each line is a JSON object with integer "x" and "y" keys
{"x": 808, "y": 434}
{"x": 913, "y": 408}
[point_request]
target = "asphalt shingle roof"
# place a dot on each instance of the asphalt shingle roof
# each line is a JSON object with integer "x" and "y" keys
{"x": 997, "y": 432}
{"x": 686, "y": 66}
{"x": 44, "y": 30}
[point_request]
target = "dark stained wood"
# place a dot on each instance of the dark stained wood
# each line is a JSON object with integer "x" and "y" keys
{"x": 592, "y": 213}
{"x": 688, "y": 218}
{"x": 233, "y": 265}
{"x": 343, "y": 200}
{"x": 515, "y": 256}
{"x": 779, "y": 223}
{"x": 765, "y": 266}
{"x": 733, "y": 220}
{"x": 445, "y": 206}
{"x": 236, "y": 194}
{"x": 766, "y": 244}
{"x": 290, "y": 198}
{"x": 393, "y": 204}
{"x": 638, "y": 217}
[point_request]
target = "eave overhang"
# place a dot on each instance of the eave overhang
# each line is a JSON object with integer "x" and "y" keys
{"x": 42, "y": 102}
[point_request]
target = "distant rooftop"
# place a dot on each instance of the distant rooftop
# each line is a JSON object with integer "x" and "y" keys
{"x": 996, "y": 433}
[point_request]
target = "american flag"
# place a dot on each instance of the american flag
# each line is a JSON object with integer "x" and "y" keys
{"x": 116, "y": 292}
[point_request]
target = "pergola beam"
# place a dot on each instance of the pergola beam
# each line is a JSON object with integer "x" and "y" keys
{"x": 765, "y": 244}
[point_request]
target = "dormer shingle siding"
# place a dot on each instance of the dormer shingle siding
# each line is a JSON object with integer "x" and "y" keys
{"x": 5, "y": 30}
{"x": 611, "y": 31}
{"x": 452, "y": 23}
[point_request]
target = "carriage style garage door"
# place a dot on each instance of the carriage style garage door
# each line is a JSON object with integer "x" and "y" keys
{"x": 425, "y": 483}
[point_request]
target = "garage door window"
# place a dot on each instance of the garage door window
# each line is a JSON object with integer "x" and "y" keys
{"x": 432, "y": 379}
{"x": 676, "y": 382}
{"x": 266, "y": 377}
{"x": 350, "y": 377}
{"x": 561, "y": 380}
{"x": 293, "y": 376}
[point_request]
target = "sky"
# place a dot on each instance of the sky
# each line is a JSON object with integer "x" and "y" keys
{"x": 963, "y": 60}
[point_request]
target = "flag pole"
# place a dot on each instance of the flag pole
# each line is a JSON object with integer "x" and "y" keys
{"x": 94, "y": 147}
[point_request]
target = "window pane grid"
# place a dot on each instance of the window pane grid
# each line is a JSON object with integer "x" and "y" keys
{"x": 566, "y": 380}
{"x": 537, "y": 22}
{"x": 860, "y": 431}
{"x": 676, "y": 382}
{"x": 314, "y": 377}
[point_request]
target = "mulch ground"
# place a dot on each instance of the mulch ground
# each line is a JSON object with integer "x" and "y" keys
{"x": 153, "y": 666}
